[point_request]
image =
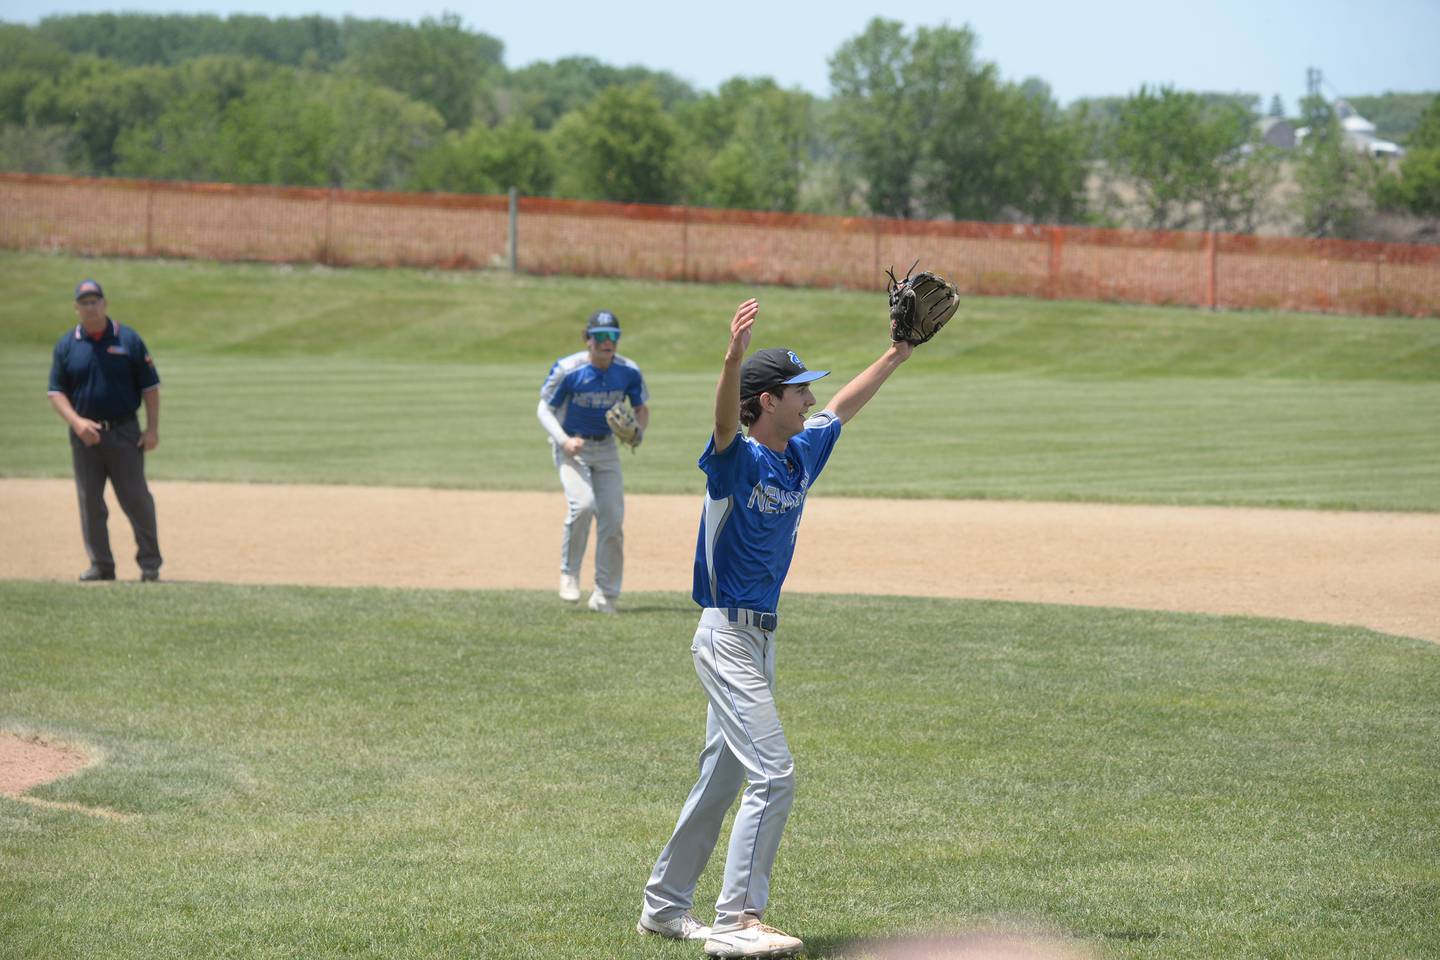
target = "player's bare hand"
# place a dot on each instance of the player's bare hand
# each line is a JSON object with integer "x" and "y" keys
{"x": 88, "y": 431}
{"x": 149, "y": 440}
{"x": 573, "y": 446}
{"x": 744, "y": 319}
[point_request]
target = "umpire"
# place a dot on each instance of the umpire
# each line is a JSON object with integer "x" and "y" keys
{"x": 99, "y": 376}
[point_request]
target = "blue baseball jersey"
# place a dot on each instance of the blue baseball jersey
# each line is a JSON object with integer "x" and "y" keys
{"x": 103, "y": 377}
{"x": 753, "y": 501}
{"x": 580, "y": 393}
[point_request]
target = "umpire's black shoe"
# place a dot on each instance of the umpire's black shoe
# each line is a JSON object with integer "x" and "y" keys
{"x": 149, "y": 576}
{"x": 97, "y": 573}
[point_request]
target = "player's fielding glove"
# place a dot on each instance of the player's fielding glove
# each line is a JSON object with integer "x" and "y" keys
{"x": 623, "y": 424}
{"x": 920, "y": 305}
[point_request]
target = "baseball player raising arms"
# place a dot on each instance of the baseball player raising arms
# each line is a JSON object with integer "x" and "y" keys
{"x": 755, "y": 489}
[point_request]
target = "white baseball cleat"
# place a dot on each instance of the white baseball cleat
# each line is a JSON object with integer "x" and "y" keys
{"x": 684, "y": 927}
{"x": 751, "y": 938}
{"x": 569, "y": 588}
{"x": 599, "y": 603}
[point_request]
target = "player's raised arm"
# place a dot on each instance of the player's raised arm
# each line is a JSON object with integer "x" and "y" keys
{"x": 855, "y": 394}
{"x": 727, "y": 392}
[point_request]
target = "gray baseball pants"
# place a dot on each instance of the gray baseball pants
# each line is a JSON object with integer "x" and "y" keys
{"x": 744, "y": 746}
{"x": 119, "y": 459}
{"x": 594, "y": 489}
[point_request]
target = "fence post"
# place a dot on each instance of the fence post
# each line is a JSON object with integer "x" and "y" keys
{"x": 1210, "y": 264}
{"x": 326, "y": 257}
{"x": 512, "y": 240}
{"x": 150, "y": 218}
{"x": 1052, "y": 280}
{"x": 685, "y": 242}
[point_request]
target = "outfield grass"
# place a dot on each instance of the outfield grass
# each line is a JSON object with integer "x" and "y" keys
{"x": 327, "y": 773}
{"x": 413, "y": 378}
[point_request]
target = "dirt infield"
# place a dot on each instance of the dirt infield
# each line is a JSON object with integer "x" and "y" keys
{"x": 27, "y": 762}
{"x": 1377, "y": 570}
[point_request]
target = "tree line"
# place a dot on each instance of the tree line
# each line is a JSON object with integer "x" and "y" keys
{"x": 916, "y": 126}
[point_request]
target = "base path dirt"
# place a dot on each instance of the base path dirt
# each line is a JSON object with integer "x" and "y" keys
{"x": 1377, "y": 570}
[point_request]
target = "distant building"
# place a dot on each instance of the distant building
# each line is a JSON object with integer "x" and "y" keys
{"x": 1277, "y": 132}
{"x": 1359, "y": 133}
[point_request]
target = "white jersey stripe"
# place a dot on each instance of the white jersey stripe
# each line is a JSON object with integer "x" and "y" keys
{"x": 716, "y": 513}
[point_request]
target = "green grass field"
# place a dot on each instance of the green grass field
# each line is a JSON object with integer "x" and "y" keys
{"x": 399, "y": 377}
{"x": 328, "y": 773}
{"x": 373, "y": 773}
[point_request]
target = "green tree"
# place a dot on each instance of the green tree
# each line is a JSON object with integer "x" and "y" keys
{"x": 874, "y": 119}
{"x": 26, "y": 61}
{"x": 545, "y": 92}
{"x": 137, "y": 39}
{"x": 26, "y": 149}
{"x": 1332, "y": 177}
{"x": 130, "y": 39}
{"x": 439, "y": 63}
{"x": 1098, "y": 117}
{"x": 1277, "y": 107}
{"x": 488, "y": 160}
{"x": 929, "y": 129}
{"x": 1190, "y": 160}
{"x": 97, "y": 100}
{"x": 747, "y": 145}
{"x": 182, "y": 142}
{"x": 1240, "y": 195}
{"x": 1009, "y": 153}
{"x": 621, "y": 146}
{"x": 1416, "y": 188}
{"x": 325, "y": 130}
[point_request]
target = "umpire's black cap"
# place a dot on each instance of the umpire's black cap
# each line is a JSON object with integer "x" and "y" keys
{"x": 88, "y": 288}
{"x": 774, "y": 367}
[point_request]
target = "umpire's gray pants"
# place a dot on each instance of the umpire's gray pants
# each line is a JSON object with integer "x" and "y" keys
{"x": 744, "y": 745}
{"x": 594, "y": 489}
{"x": 119, "y": 459}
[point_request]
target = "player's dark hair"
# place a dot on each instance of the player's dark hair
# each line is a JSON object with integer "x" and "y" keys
{"x": 750, "y": 409}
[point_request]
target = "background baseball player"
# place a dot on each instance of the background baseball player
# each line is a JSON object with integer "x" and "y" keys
{"x": 755, "y": 493}
{"x": 574, "y": 400}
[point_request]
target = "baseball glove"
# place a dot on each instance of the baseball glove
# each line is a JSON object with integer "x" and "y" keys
{"x": 920, "y": 305}
{"x": 623, "y": 424}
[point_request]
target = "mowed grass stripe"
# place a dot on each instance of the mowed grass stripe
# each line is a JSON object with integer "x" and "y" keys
{"x": 1345, "y": 445}
{"x": 453, "y": 317}
{"x": 447, "y": 774}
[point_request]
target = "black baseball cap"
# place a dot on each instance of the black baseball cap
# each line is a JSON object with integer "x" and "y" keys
{"x": 602, "y": 321}
{"x": 774, "y": 367}
{"x": 88, "y": 288}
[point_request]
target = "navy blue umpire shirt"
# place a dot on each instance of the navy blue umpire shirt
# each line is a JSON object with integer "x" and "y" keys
{"x": 103, "y": 377}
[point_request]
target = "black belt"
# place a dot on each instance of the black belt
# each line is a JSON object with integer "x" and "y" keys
{"x": 594, "y": 436}
{"x": 112, "y": 424}
{"x": 752, "y": 618}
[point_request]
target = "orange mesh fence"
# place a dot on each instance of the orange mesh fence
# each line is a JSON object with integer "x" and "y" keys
{"x": 346, "y": 227}
{"x": 218, "y": 221}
